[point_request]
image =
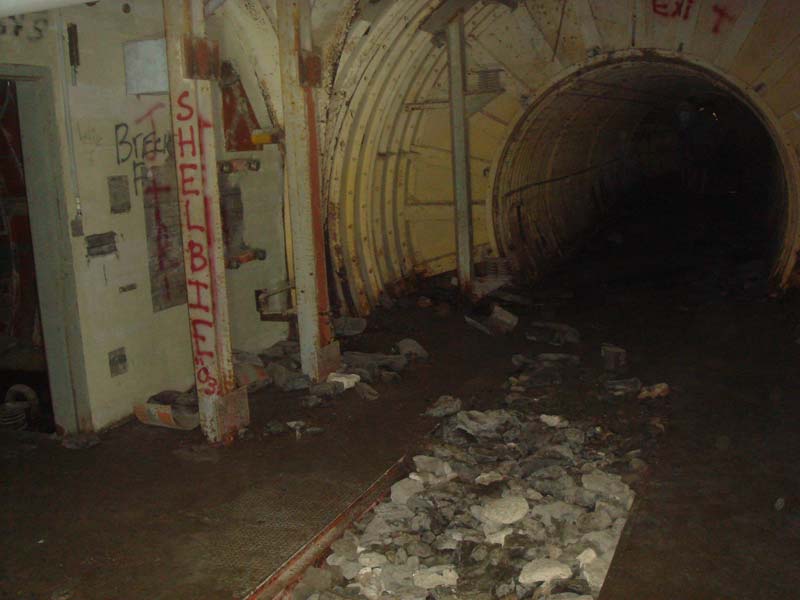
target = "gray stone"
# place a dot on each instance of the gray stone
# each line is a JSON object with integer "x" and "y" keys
{"x": 372, "y": 559}
{"x": 366, "y": 391}
{"x": 366, "y": 360}
{"x": 326, "y": 389}
{"x": 594, "y": 521}
{"x": 286, "y": 379}
{"x": 610, "y": 486}
{"x": 544, "y": 570}
{"x": 444, "y": 407}
{"x": 506, "y": 511}
{"x": 501, "y": 321}
{"x": 419, "y": 549}
{"x": 349, "y": 326}
{"x": 405, "y": 489}
{"x": 311, "y": 401}
{"x": 557, "y": 511}
{"x": 436, "y": 576}
{"x": 412, "y": 349}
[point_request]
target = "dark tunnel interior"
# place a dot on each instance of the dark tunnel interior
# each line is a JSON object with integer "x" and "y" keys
{"x": 647, "y": 173}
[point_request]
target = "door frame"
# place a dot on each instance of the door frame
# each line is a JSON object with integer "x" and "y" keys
{"x": 52, "y": 246}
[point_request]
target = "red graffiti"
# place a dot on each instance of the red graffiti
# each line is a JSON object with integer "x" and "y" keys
{"x": 721, "y": 14}
{"x": 188, "y": 111}
{"x": 673, "y": 9}
{"x": 199, "y": 302}
{"x": 197, "y": 222}
{"x": 154, "y": 191}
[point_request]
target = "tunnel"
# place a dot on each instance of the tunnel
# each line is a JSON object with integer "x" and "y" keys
{"x": 586, "y": 110}
{"x": 638, "y": 137}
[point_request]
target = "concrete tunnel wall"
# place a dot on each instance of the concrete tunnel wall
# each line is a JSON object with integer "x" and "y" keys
{"x": 567, "y": 109}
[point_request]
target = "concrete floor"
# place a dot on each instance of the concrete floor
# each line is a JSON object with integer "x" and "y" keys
{"x": 130, "y": 518}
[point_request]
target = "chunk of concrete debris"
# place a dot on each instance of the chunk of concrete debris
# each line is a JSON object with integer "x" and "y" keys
{"x": 610, "y": 486}
{"x": 346, "y": 380}
{"x": 405, "y": 489}
{"x": 275, "y": 428}
{"x": 80, "y": 441}
{"x": 485, "y": 423}
{"x": 367, "y": 360}
{"x": 659, "y": 390}
{"x": 365, "y": 391}
{"x": 412, "y": 349}
{"x": 444, "y": 407}
{"x": 488, "y": 478}
{"x": 544, "y": 570}
{"x": 279, "y": 350}
{"x": 506, "y": 510}
{"x": 615, "y": 359}
{"x": 502, "y": 321}
{"x": 553, "y": 420}
{"x": 326, "y": 389}
{"x": 555, "y": 334}
{"x": 349, "y": 326}
{"x": 311, "y": 401}
{"x": 436, "y": 576}
{"x": 286, "y": 379}
{"x": 478, "y": 324}
{"x": 623, "y": 387}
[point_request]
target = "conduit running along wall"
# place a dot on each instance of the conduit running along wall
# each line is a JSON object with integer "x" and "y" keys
{"x": 387, "y": 159}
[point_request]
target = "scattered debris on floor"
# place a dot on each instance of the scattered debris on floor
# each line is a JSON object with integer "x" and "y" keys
{"x": 555, "y": 334}
{"x": 170, "y": 408}
{"x": 503, "y": 503}
{"x": 349, "y": 326}
{"x": 80, "y": 441}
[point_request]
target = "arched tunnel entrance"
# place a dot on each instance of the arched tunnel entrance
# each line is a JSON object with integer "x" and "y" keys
{"x": 671, "y": 151}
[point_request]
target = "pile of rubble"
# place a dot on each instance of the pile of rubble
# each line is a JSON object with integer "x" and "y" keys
{"x": 504, "y": 505}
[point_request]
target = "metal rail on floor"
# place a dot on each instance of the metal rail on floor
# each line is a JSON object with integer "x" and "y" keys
{"x": 278, "y": 586}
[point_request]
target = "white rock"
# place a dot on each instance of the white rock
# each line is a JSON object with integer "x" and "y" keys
{"x": 506, "y": 510}
{"x": 586, "y": 557}
{"x": 348, "y": 380}
{"x": 595, "y": 572}
{"x": 553, "y": 420}
{"x": 444, "y": 406}
{"x": 411, "y": 349}
{"x": 544, "y": 570}
{"x": 605, "y": 542}
{"x": 610, "y": 486}
{"x": 372, "y": 559}
{"x": 405, "y": 489}
{"x": 431, "y": 464}
{"x": 499, "y": 537}
{"x": 438, "y": 576}
{"x": 488, "y": 477}
{"x": 557, "y": 511}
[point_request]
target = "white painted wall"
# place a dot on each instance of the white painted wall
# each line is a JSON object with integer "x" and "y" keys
{"x": 157, "y": 344}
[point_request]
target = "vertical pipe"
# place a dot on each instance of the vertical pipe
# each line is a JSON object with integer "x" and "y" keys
{"x": 303, "y": 190}
{"x": 460, "y": 149}
{"x": 201, "y": 227}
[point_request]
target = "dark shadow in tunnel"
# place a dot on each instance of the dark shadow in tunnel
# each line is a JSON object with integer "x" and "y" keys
{"x": 707, "y": 211}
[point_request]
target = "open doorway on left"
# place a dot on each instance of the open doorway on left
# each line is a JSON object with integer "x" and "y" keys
{"x": 24, "y": 388}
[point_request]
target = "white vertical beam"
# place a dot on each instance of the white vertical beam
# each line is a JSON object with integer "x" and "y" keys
{"x": 201, "y": 227}
{"x": 460, "y": 149}
{"x": 304, "y": 192}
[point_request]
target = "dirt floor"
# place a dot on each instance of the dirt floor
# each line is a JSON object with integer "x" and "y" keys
{"x": 152, "y": 513}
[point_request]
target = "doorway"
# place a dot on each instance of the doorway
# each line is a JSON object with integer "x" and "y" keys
{"x": 41, "y": 354}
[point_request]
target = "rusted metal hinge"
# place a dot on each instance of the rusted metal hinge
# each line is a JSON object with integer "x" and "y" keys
{"x": 201, "y": 58}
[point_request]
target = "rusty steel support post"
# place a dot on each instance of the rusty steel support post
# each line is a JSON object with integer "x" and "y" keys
{"x": 459, "y": 135}
{"x": 191, "y": 61}
{"x": 319, "y": 354}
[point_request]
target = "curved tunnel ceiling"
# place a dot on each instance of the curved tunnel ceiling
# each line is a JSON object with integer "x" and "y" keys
{"x": 387, "y": 161}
